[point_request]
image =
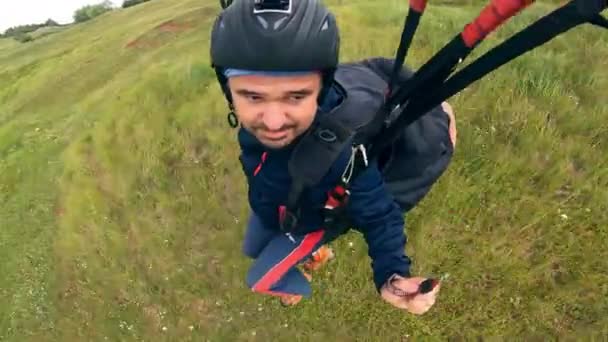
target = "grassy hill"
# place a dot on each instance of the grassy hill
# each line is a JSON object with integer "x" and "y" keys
{"x": 122, "y": 203}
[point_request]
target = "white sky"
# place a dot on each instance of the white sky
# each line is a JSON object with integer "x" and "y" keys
{"x": 22, "y": 12}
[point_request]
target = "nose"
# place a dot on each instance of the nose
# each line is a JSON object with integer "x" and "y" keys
{"x": 274, "y": 117}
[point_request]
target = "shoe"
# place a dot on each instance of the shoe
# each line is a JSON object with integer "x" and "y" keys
{"x": 319, "y": 258}
{"x": 289, "y": 299}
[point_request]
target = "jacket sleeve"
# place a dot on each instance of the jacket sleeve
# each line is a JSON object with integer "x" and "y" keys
{"x": 378, "y": 217}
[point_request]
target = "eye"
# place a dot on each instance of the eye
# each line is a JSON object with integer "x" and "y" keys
{"x": 296, "y": 97}
{"x": 254, "y": 98}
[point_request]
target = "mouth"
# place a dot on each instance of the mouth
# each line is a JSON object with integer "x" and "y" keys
{"x": 274, "y": 136}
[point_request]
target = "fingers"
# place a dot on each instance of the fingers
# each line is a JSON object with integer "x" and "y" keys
{"x": 423, "y": 302}
{"x": 418, "y": 304}
{"x": 426, "y": 300}
{"x": 408, "y": 284}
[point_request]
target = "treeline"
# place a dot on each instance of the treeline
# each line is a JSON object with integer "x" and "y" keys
{"x": 129, "y": 3}
{"x": 85, "y": 13}
{"x": 20, "y": 32}
{"x": 91, "y": 11}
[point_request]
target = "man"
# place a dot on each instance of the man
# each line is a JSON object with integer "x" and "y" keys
{"x": 277, "y": 63}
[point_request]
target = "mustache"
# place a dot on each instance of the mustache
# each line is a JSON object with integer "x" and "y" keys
{"x": 261, "y": 126}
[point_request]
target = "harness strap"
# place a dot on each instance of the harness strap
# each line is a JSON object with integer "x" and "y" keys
{"x": 337, "y": 197}
{"x": 568, "y": 16}
{"x": 409, "y": 28}
{"x": 415, "y": 99}
{"x": 600, "y": 21}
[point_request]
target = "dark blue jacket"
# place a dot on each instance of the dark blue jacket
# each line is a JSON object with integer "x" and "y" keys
{"x": 371, "y": 207}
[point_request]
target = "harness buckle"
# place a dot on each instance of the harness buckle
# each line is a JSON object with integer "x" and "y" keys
{"x": 350, "y": 167}
{"x": 288, "y": 221}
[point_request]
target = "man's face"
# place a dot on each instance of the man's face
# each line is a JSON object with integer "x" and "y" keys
{"x": 275, "y": 109}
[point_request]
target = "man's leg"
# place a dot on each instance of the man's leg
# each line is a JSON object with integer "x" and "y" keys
{"x": 319, "y": 258}
{"x": 274, "y": 272}
{"x": 325, "y": 253}
{"x": 256, "y": 237}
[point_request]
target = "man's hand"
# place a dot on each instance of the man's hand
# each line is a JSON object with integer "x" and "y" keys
{"x": 416, "y": 303}
{"x": 448, "y": 109}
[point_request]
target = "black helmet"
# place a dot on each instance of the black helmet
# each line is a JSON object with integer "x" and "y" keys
{"x": 275, "y": 35}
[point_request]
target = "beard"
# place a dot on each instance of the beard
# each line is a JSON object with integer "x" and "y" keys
{"x": 277, "y": 138}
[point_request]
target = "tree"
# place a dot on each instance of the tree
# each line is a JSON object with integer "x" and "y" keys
{"x": 129, "y": 3}
{"x": 23, "y": 37}
{"x": 89, "y": 12}
{"x": 51, "y": 22}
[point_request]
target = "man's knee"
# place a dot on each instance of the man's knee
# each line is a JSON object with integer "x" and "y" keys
{"x": 256, "y": 237}
{"x": 249, "y": 250}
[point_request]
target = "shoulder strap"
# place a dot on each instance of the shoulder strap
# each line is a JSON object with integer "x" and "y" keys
{"x": 315, "y": 154}
{"x": 335, "y": 131}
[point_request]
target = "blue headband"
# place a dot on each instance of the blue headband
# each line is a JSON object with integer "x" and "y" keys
{"x": 241, "y": 72}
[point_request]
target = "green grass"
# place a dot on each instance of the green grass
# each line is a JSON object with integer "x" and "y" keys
{"x": 123, "y": 203}
{"x": 7, "y": 43}
{"x": 45, "y": 31}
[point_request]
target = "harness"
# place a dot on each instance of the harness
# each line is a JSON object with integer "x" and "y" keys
{"x": 406, "y": 102}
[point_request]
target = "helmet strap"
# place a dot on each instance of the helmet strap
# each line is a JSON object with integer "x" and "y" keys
{"x": 233, "y": 121}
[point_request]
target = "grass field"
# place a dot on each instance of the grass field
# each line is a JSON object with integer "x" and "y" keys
{"x": 122, "y": 200}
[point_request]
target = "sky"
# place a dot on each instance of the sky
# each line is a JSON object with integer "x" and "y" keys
{"x": 22, "y": 12}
